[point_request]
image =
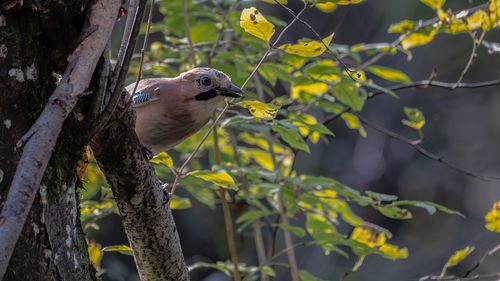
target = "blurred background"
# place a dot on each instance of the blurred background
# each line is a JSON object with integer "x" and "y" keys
{"x": 462, "y": 126}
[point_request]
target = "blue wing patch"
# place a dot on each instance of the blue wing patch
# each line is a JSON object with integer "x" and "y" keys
{"x": 141, "y": 97}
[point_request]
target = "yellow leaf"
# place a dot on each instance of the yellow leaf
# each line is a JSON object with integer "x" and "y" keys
{"x": 457, "y": 257}
{"x": 307, "y": 48}
{"x": 435, "y": 4}
{"x": 390, "y": 74}
{"x": 368, "y": 236}
{"x": 262, "y": 158}
{"x": 492, "y": 218}
{"x": 261, "y": 110}
{"x": 256, "y": 24}
{"x": 316, "y": 88}
{"x": 95, "y": 255}
{"x": 418, "y": 38}
{"x": 402, "y": 26}
{"x": 394, "y": 252}
{"x": 179, "y": 203}
{"x": 221, "y": 179}
{"x": 326, "y": 7}
{"x": 260, "y": 142}
{"x": 352, "y": 122}
{"x": 122, "y": 249}
{"x": 163, "y": 158}
{"x": 348, "y": 2}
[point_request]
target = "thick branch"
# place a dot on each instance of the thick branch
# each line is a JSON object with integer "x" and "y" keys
{"x": 142, "y": 202}
{"x": 44, "y": 133}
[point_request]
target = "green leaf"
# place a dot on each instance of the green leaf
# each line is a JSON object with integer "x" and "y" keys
{"x": 347, "y": 92}
{"x": 417, "y": 119}
{"x": 380, "y": 196}
{"x": 179, "y": 203}
{"x": 292, "y": 137}
{"x": 394, "y": 212}
{"x": 330, "y": 106}
{"x": 429, "y": 206}
{"x": 435, "y": 4}
{"x": 389, "y": 74}
{"x": 250, "y": 216}
{"x": 209, "y": 265}
{"x": 299, "y": 231}
{"x": 268, "y": 271}
{"x": 304, "y": 275}
{"x": 122, "y": 249}
{"x": 221, "y": 179}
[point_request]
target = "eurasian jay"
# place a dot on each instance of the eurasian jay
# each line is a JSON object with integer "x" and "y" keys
{"x": 171, "y": 109}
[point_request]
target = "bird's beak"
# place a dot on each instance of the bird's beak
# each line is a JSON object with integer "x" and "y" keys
{"x": 232, "y": 91}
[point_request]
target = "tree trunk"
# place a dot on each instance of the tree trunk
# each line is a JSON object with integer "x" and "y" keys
{"x": 36, "y": 38}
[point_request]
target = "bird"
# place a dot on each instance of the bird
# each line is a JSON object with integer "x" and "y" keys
{"x": 171, "y": 109}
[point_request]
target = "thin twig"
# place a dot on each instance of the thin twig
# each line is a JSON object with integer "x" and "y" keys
{"x": 188, "y": 32}
{"x": 482, "y": 277}
{"x": 400, "y": 39}
{"x": 316, "y": 34}
{"x": 115, "y": 83}
{"x": 425, "y": 152}
{"x": 488, "y": 254}
{"x": 423, "y": 84}
{"x": 288, "y": 241}
{"x": 475, "y": 43}
{"x": 227, "y": 214}
{"x": 141, "y": 62}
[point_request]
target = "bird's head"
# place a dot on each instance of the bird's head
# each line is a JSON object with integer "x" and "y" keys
{"x": 209, "y": 84}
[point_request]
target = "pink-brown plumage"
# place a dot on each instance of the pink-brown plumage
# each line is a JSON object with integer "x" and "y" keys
{"x": 175, "y": 108}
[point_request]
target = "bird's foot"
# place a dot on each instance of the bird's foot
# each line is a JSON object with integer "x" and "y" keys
{"x": 164, "y": 187}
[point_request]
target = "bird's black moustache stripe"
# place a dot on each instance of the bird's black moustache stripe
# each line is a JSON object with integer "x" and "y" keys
{"x": 206, "y": 95}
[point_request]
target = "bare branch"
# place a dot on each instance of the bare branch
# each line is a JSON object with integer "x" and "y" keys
{"x": 475, "y": 43}
{"x": 482, "y": 277}
{"x": 488, "y": 254}
{"x": 47, "y": 127}
{"x": 141, "y": 62}
{"x": 426, "y": 153}
{"x": 188, "y": 32}
{"x": 400, "y": 39}
{"x": 115, "y": 85}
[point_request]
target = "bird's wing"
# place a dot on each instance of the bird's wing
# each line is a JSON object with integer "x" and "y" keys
{"x": 146, "y": 92}
{"x": 141, "y": 98}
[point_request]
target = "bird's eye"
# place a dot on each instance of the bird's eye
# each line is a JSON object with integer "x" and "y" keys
{"x": 205, "y": 81}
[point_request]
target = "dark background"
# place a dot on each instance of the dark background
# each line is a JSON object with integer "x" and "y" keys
{"x": 461, "y": 125}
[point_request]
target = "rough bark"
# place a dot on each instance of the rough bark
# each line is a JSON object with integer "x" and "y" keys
{"x": 36, "y": 38}
{"x": 42, "y": 136}
{"x": 141, "y": 201}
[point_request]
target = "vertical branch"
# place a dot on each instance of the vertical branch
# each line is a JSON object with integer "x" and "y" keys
{"x": 259, "y": 245}
{"x": 229, "y": 233}
{"x": 141, "y": 62}
{"x": 227, "y": 214}
{"x": 288, "y": 241}
{"x": 188, "y": 32}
